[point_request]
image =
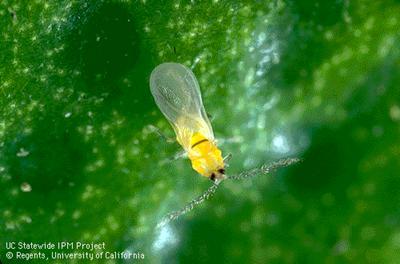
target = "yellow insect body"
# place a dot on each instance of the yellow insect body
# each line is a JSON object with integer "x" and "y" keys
{"x": 205, "y": 156}
{"x": 177, "y": 94}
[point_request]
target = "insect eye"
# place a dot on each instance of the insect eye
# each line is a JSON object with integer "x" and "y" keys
{"x": 212, "y": 177}
{"x": 222, "y": 171}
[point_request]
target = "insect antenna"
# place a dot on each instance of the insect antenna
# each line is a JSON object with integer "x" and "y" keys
{"x": 264, "y": 169}
{"x": 190, "y": 206}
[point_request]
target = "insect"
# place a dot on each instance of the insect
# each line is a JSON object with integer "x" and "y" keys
{"x": 177, "y": 94}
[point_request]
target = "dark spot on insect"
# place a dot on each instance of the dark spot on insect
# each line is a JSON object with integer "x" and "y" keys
{"x": 212, "y": 177}
{"x": 222, "y": 171}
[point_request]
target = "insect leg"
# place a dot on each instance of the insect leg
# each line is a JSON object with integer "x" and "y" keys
{"x": 228, "y": 157}
{"x": 158, "y": 131}
{"x": 180, "y": 154}
{"x": 210, "y": 116}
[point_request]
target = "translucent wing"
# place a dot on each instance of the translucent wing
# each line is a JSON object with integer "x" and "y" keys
{"x": 177, "y": 94}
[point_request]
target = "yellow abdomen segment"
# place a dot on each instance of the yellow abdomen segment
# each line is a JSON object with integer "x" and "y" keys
{"x": 205, "y": 156}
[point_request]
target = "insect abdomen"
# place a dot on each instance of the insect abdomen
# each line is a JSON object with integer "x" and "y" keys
{"x": 205, "y": 156}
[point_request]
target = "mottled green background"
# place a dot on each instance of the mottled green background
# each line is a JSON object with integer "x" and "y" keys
{"x": 312, "y": 79}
